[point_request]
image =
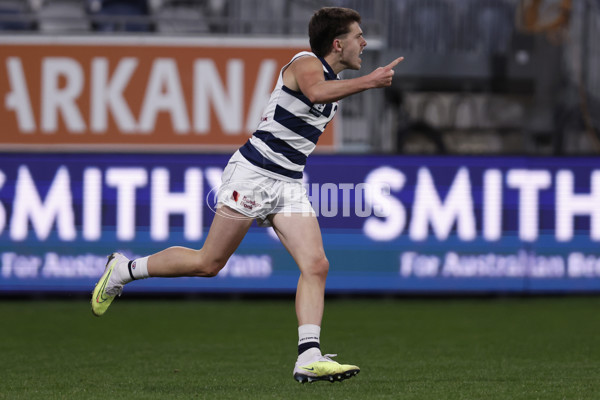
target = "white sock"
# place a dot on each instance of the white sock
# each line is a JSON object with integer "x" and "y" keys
{"x": 123, "y": 274}
{"x": 308, "y": 334}
{"x": 139, "y": 268}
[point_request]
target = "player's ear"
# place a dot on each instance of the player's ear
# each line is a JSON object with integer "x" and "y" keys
{"x": 337, "y": 45}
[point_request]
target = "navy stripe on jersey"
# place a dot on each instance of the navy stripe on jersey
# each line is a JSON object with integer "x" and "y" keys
{"x": 297, "y": 95}
{"x": 296, "y": 124}
{"x": 255, "y": 157}
{"x": 316, "y": 111}
{"x": 281, "y": 147}
{"x": 329, "y": 75}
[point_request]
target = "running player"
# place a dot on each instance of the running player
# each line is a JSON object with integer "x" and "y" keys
{"x": 262, "y": 181}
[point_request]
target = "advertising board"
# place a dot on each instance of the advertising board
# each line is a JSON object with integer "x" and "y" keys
{"x": 137, "y": 93}
{"x": 390, "y": 224}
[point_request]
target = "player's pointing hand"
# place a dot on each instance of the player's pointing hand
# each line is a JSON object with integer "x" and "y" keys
{"x": 394, "y": 63}
{"x": 382, "y": 76}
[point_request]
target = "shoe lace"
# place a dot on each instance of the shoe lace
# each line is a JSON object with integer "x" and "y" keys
{"x": 329, "y": 357}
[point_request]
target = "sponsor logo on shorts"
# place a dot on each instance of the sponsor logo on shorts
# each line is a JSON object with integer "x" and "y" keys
{"x": 249, "y": 203}
{"x": 248, "y": 196}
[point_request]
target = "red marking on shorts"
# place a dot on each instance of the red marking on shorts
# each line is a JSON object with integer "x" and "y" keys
{"x": 235, "y": 195}
{"x": 248, "y": 203}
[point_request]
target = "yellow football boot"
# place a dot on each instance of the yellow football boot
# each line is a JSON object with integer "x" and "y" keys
{"x": 324, "y": 369}
{"x": 104, "y": 293}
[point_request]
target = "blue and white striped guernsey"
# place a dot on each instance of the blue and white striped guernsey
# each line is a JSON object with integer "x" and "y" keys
{"x": 289, "y": 128}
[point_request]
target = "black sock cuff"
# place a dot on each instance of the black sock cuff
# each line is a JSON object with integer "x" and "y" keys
{"x": 129, "y": 268}
{"x": 309, "y": 345}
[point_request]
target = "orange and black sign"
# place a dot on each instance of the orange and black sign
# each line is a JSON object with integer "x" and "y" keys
{"x": 136, "y": 94}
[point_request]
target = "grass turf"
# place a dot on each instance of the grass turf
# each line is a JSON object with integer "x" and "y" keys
{"x": 534, "y": 348}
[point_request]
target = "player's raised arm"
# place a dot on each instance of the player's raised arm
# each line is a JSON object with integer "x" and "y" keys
{"x": 306, "y": 75}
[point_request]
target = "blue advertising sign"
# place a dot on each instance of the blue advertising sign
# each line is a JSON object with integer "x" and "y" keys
{"x": 393, "y": 224}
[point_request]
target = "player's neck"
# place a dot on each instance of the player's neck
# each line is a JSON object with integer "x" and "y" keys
{"x": 334, "y": 62}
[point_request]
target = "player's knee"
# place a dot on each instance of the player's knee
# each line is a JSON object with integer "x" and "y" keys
{"x": 319, "y": 267}
{"x": 208, "y": 267}
{"x": 213, "y": 267}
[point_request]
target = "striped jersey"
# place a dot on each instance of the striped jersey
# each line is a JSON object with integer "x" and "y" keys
{"x": 289, "y": 129}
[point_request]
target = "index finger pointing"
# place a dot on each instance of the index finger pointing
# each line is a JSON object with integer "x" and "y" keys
{"x": 394, "y": 63}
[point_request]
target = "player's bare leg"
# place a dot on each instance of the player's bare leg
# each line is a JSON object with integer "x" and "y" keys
{"x": 225, "y": 235}
{"x": 301, "y": 236}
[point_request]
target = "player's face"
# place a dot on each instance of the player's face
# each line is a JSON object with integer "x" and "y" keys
{"x": 352, "y": 45}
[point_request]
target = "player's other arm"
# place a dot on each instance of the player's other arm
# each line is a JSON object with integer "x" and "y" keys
{"x": 306, "y": 75}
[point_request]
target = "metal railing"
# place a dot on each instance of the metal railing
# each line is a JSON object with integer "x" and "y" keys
{"x": 232, "y": 17}
{"x": 446, "y": 26}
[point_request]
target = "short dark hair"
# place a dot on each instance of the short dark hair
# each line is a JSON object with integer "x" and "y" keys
{"x": 327, "y": 24}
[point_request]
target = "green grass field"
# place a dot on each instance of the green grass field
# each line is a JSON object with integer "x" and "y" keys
{"x": 532, "y": 348}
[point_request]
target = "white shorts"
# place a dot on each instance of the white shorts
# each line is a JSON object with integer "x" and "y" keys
{"x": 258, "y": 196}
